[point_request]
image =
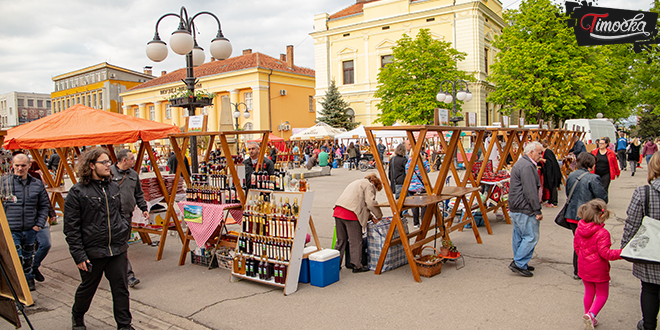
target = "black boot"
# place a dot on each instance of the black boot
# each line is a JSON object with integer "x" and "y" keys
{"x": 31, "y": 285}
{"x": 37, "y": 275}
{"x": 78, "y": 323}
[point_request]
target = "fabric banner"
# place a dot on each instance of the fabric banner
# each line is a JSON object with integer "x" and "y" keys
{"x": 376, "y": 234}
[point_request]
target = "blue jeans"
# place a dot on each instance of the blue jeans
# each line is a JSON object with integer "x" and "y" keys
{"x": 24, "y": 241}
{"x": 43, "y": 240}
{"x": 648, "y": 158}
{"x": 525, "y": 237}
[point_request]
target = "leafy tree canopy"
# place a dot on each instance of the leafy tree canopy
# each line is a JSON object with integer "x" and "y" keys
{"x": 408, "y": 85}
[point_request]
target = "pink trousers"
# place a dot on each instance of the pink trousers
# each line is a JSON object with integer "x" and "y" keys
{"x": 595, "y": 296}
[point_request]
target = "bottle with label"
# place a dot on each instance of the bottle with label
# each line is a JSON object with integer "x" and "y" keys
{"x": 302, "y": 183}
{"x": 236, "y": 264}
{"x": 241, "y": 264}
{"x": 253, "y": 178}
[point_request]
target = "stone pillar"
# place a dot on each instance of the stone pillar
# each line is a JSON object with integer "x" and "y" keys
{"x": 143, "y": 111}
{"x": 259, "y": 113}
{"x": 176, "y": 116}
{"x": 227, "y": 120}
{"x": 158, "y": 108}
{"x": 213, "y": 115}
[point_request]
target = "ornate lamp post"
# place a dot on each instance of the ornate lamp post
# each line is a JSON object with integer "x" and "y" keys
{"x": 448, "y": 95}
{"x": 183, "y": 42}
{"x": 237, "y": 114}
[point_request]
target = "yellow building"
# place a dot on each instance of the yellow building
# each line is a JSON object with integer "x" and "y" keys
{"x": 278, "y": 94}
{"x": 351, "y": 46}
{"x": 97, "y": 86}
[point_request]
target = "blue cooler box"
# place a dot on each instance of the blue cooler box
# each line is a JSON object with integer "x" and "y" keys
{"x": 324, "y": 267}
{"x": 304, "y": 265}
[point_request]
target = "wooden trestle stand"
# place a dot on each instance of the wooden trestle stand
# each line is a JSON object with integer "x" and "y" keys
{"x": 231, "y": 166}
{"x": 436, "y": 193}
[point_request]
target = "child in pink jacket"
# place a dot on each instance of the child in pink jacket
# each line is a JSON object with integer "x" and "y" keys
{"x": 592, "y": 244}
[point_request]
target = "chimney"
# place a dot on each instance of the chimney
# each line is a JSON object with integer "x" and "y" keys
{"x": 147, "y": 70}
{"x": 283, "y": 57}
{"x": 289, "y": 56}
{"x": 247, "y": 51}
{"x": 162, "y": 73}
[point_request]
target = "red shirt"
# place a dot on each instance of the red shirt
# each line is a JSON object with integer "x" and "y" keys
{"x": 345, "y": 214}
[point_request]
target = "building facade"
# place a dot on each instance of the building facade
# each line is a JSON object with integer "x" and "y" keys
{"x": 18, "y": 108}
{"x": 351, "y": 46}
{"x": 97, "y": 86}
{"x": 277, "y": 94}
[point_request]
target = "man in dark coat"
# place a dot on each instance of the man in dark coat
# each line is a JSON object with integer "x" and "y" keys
{"x": 26, "y": 213}
{"x": 172, "y": 163}
{"x": 551, "y": 174}
{"x": 251, "y": 162}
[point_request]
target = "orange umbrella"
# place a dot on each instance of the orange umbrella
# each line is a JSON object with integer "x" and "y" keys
{"x": 84, "y": 126}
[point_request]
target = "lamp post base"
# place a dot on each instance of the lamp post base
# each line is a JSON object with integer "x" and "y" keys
{"x": 455, "y": 120}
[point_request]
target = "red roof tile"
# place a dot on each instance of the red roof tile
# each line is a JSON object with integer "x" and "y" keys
{"x": 253, "y": 60}
{"x": 352, "y": 10}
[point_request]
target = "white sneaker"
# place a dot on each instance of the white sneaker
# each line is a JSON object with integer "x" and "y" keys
{"x": 588, "y": 321}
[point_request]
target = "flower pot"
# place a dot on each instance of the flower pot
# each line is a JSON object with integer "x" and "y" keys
{"x": 444, "y": 251}
{"x": 198, "y": 102}
{"x": 453, "y": 254}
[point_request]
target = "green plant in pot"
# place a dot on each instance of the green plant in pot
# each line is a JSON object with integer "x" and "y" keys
{"x": 453, "y": 251}
{"x": 446, "y": 245}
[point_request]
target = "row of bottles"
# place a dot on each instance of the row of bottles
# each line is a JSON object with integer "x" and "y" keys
{"x": 260, "y": 179}
{"x": 270, "y": 218}
{"x": 260, "y": 267}
{"x": 217, "y": 162}
{"x": 272, "y": 247}
{"x": 212, "y": 195}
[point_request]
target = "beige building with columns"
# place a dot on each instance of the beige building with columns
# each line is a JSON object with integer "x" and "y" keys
{"x": 277, "y": 94}
{"x": 351, "y": 46}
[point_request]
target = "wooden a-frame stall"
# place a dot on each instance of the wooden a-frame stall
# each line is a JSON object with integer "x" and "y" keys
{"x": 80, "y": 126}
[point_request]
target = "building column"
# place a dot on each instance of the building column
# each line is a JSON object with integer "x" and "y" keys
{"x": 176, "y": 116}
{"x": 212, "y": 113}
{"x": 143, "y": 110}
{"x": 126, "y": 108}
{"x": 158, "y": 108}
{"x": 259, "y": 113}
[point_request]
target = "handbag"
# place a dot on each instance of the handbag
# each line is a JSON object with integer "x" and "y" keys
{"x": 561, "y": 216}
{"x": 644, "y": 246}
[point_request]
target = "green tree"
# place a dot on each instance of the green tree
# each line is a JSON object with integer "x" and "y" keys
{"x": 648, "y": 123}
{"x": 334, "y": 109}
{"x": 542, "y": 71}
{"x": 408, "y": 85}
{"x": 645, "y": 73}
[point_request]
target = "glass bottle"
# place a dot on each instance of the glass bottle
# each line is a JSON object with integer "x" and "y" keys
{"x": 302, "y": 184}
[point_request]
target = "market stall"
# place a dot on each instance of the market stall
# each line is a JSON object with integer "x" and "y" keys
{"x": 436, "y": 194}
{"x": 79, "y": 126}
{"x": 272, "y": 233}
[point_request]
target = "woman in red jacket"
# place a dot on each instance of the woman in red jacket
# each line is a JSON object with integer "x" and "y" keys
{"x": 607, "y": 166}
{"x": 592, "y": 244}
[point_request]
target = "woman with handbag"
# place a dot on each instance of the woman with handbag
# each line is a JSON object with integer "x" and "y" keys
{"x": 647, "y": 273}
{"x": 607, "y": 165}
{"x": 585, "y": 187}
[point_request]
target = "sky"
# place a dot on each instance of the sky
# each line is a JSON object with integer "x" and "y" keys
{"x": 40, "y": 39}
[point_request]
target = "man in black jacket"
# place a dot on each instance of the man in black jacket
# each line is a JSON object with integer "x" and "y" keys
{"x": 131, "y": 195}
{"x": 97, "y": 234}
{"x": 525, "y": 208}
{"x": 251, "y": 162}
{"x": 27, "y": 213}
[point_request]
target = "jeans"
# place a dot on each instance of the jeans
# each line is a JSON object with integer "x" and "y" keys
{"x": 115, "y": 271}
{"x": 43, "y": 242}
{"x": 633, "y": 165}
{"x": 648, "y": 158}
{"x": 525, "y": 237}
{"x": 24, "y": 241}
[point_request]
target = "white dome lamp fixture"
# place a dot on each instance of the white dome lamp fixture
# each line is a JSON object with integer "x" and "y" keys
{"x": 183, "y": 42}
{"x": 449, "y": 94}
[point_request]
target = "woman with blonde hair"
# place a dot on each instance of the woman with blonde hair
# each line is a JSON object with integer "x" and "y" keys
{"x": 647, "y": 273}
{"x": 633, "y": 155}
{"x": 354, "y": 208}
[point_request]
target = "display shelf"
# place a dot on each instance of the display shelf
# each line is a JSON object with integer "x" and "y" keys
{"x": 236, "y": 276}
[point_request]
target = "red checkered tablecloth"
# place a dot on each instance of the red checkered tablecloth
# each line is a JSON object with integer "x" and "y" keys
{"x": 212, "y": 215}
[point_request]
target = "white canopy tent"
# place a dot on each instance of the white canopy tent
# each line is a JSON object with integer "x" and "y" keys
{"x": 320, "y": 131}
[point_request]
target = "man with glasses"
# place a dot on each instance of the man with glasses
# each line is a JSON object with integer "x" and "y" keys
{"x": 26, "y": 213}
{"x": 97, "y": 233}
{"x": 131, "y": 194}
{"x": 251, "y": 162}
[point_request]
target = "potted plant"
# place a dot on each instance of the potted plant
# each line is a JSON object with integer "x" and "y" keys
{"x": 453, "y": 252}
{"x": 199, "y": 98}
{"x": 446, "y": 245}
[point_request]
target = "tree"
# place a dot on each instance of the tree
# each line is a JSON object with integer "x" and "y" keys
{"x": 334, "y": 109}
{"x": 542, "y": 71}
{"x": 648, "y": 123}
{"x": 408, "y": 85}
{"x": 646, "y": 73}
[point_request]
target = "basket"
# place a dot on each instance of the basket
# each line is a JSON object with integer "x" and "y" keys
{"x": 224, "y": 259}
{"x": 428, "y": 267}
{"x": 209, "y": 261}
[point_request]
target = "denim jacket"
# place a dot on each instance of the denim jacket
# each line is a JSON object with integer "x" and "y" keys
{"x": 588, "y": 188}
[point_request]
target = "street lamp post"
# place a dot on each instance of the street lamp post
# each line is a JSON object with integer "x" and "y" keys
{"x": 448, "y": 95}
{"x": 237, "y": 114}
{"x": 184, "y": 42}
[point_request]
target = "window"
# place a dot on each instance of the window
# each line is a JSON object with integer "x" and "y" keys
{"x": 100, "y": 100}
{"x": 103, "y": 75}
{"x": 248, "y": 100}
{"x": 78, "y": 99}
{"x": 347, "y": 67}
{"x": 152, "y": 112}
{"x": 95, "y": 102}
{"x": 47, "y": 104}
{"x": 311, "y": 103}
{"x": 83, "y": 100}
{"x": 385, "y": 60}
{"x": 21, "y": 102}
{"x": 137, "y": 112}
{"x": 59, "y": 106}
{"x": 89, "y": 100}
{"x": 486, "y": 60}
{"x": 40, "y": 103}
{"x": 68, "y": 103}
{"x": 168, "y": 112}
{"x": 56, "y": 87}
{"x": 30, "y": 103}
